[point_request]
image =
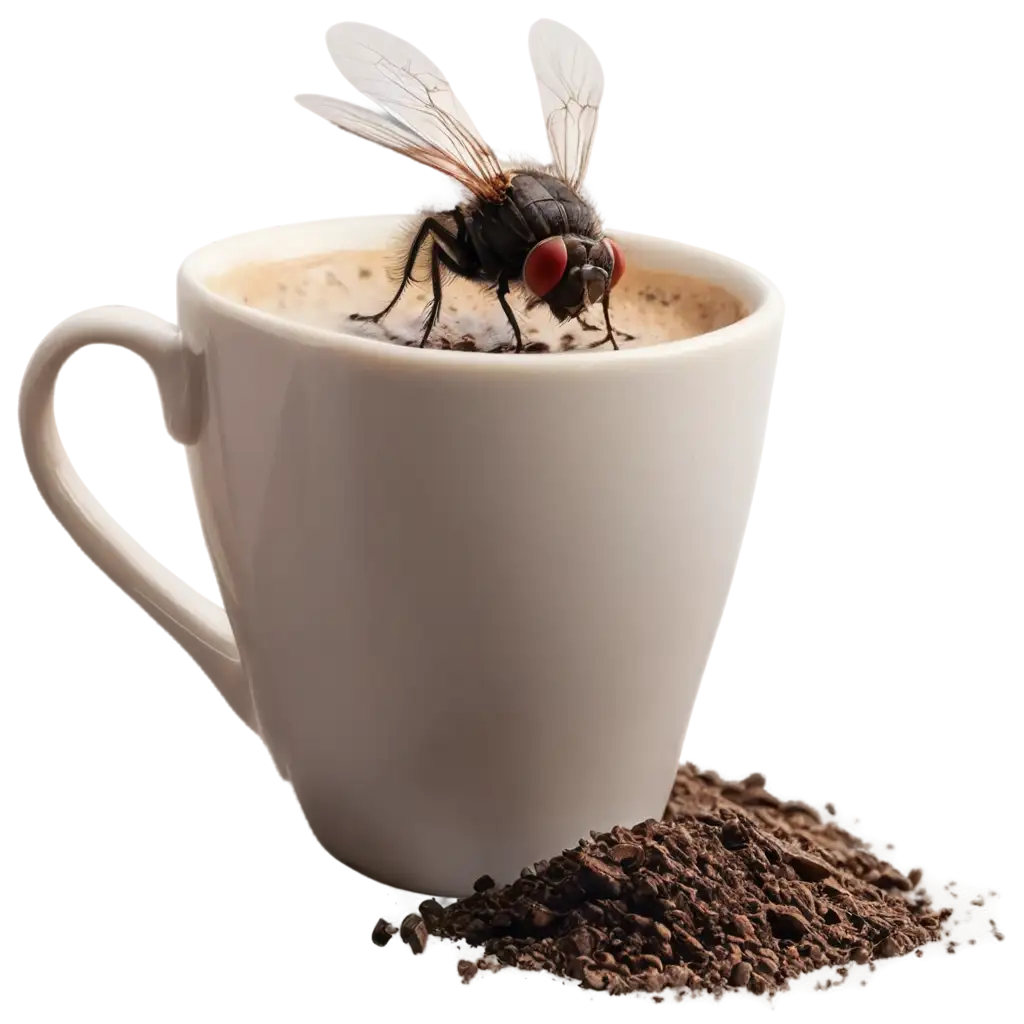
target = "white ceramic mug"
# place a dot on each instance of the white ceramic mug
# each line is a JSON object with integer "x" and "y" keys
{"x": 469, "y": 598}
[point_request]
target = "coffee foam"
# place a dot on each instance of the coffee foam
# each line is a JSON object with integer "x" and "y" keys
{"x": 324, "y": 290}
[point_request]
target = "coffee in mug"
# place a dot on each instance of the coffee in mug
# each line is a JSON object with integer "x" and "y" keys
{"x": 326, "y": 289}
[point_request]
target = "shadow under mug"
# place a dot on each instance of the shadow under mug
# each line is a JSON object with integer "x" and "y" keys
{"x": 468, "y": 598}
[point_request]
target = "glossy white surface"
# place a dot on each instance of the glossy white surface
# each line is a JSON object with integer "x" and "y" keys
{"x": 898, "y": 412}
{"x": 480, "y": 588}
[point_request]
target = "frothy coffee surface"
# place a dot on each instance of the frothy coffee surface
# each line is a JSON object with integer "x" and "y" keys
{"x": 324, "y": 290}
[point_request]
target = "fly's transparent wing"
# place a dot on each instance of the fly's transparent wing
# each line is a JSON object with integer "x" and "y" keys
{"x": 395, "y": 95}
{"x": 571, "y": 82}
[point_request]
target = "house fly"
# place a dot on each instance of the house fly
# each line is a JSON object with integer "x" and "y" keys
{"x": 523, "y": 228}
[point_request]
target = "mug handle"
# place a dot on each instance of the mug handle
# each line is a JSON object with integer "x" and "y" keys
{"x": 199, "y": 625}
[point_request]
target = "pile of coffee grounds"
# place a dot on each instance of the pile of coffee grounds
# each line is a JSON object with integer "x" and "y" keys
{"x": 733, "y": 888}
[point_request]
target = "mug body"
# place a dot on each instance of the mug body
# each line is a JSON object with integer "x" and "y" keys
{"x": 473, "y": 594}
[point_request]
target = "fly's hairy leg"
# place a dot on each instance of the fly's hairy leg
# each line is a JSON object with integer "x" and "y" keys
{"x": 435, "y": 306}
{"x": 440, "y": 233}
{"x": 502, "y": 292}
{"x": 437, "y": 257}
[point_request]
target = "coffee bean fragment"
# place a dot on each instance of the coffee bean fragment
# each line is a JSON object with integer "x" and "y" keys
{"x": 677, "y": 976}
{"x": 627, "y": 854}
{"x": 758, "y": 986}
{"x": 581, "y": 942}
{"x": 731, "y": 889}
{"x": 809, "y": 868}
{"x": 432, "y": 913}
{"x": 381, "y": 934}
{"x": 995, "y": 931}
{"x": 467, "y": 971}
{"x": 914, "y": 877}
{"x": 483, "y": 883}
{"x": 786, "y": 924}
{"x": 540, "y": 917}
{"x": 652, "y": 981}
{"x": 733, "y": 836}
{"x": 414, "y": 933}
{"x": 740, "y": 974}
{"x": 599, "y": 878}
{"x": 595, "y": 978}
{"x": 890, "y": 878}
{"x": 831, "y": 808}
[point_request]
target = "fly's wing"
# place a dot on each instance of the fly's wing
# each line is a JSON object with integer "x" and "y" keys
{"x": 413, "y": 90}
{"x": 571, "y": 82}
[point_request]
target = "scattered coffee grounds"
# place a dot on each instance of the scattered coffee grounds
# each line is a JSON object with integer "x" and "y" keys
{"x": 381, "y": 933}
{"x": 831, "y": 808}
{"x": 995, "y": 931}
{"x": 467, "y": 971}
{"x": 414, "y": 933}
{"x": 733, "y": 888}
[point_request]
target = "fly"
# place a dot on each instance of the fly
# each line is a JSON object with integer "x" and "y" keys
{"x": 527, "y": 229}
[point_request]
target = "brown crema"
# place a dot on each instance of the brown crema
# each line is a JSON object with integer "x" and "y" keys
{"x": 325, "y": 290}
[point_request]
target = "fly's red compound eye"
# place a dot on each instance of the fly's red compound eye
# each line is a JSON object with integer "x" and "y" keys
{"x": 545, "y": 264}
{"x": 618, "y": 262}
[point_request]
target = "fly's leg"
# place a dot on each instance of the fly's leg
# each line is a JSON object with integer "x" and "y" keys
{"x": 435, "y": 307}
{"x": 437, "y": 257}
{"x": 610, "y": 336}
{"x": 440, "y": 233}
{"x": 593, "y": 327}
{"x": 502, "y": 292}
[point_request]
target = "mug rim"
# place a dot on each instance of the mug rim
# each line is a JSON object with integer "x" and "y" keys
{"x": 281, "y": 242}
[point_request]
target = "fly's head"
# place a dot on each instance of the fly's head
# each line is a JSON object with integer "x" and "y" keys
{"x": 570, "y": 273}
